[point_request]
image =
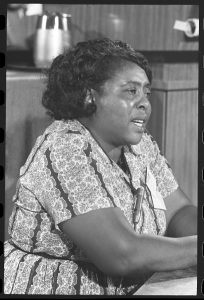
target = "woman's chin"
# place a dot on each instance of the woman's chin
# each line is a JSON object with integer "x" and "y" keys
{"x": 135, "y": 139}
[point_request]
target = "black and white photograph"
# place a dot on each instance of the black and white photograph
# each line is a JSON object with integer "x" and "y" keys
{"x": 101, "y": 149}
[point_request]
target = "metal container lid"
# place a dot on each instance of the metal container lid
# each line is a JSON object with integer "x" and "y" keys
{"x": 42, "y": 21}
{"x": 54, "y": 20}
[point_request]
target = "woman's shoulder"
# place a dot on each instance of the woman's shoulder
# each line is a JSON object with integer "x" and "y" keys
{"x": 64, "y": 126}
{"x": 59, "y": 137}
{"x": 68, "y": 133}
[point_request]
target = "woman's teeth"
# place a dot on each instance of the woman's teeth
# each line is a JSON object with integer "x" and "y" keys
{"x": 139, "y": 123}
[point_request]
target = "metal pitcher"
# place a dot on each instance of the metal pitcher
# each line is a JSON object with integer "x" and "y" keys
{"x": 52, "y": 37}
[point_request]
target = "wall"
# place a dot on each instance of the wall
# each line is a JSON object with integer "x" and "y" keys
{"x": 131, "y": 23}
{"x": 145, "y": 27}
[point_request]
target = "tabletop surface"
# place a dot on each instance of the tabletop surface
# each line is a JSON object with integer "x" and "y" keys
{"x": 179, "y": 282}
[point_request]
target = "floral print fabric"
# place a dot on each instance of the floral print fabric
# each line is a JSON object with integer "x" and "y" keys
{"x": 67, "y": 174}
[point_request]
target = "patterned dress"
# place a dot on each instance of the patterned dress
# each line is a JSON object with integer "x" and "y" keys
{"x": 67, "y": 174}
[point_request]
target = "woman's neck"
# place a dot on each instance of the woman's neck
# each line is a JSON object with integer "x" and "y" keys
{"x": 111, "y": 151}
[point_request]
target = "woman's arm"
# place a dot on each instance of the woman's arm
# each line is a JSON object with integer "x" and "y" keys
{"x": 111, "y": 244}
{"x": 181, "y": 215}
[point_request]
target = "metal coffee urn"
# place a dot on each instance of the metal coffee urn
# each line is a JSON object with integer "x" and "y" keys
{"x": 52, "y": 37}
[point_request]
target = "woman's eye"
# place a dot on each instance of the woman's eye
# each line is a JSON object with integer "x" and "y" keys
{"x": 148, "y": 93}
{"x": 132, "y": 91}
{"x": 137, "y": 92}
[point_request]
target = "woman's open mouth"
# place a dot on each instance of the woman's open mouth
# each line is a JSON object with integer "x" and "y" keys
{"x": 139, "y": 123}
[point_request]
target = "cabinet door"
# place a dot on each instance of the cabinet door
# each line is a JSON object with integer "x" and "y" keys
{"x": 157, "y": 121}
{"x": 174, "y": 125}
{"x": 181, "y": 145}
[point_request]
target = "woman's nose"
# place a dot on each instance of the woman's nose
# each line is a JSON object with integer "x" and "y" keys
{"x": 144, "y": 103}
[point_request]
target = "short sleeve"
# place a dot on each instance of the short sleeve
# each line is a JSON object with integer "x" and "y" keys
{"x": 75, "y": 184}
{"x": 166, "y": 181}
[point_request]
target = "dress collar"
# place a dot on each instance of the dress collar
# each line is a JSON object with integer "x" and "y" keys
{"x": 134, "y": 149}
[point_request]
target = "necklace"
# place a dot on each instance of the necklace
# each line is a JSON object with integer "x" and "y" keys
{"x": 137, "y": 193}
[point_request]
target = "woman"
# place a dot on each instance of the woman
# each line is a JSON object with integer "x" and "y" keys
{"x": 97, "y": 208}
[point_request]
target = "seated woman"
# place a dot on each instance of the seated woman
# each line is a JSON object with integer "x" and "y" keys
{"x": 97, "y": 208}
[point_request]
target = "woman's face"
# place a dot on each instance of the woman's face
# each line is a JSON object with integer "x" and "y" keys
{"x": 123, "y": 107}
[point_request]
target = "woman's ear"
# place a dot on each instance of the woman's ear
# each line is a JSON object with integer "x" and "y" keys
{"x": 90, "y": 97}
{"x": 90, "y": 102}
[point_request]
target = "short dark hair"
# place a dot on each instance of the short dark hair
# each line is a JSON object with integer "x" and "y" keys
{"x": 87, "y": 65}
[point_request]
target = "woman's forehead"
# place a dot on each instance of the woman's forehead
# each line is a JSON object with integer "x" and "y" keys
{"x": 130, "y": 73}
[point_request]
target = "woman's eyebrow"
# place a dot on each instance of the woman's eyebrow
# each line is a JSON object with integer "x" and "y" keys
{"x": 138, "y": 83}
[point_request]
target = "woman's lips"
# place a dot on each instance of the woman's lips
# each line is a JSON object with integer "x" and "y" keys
{"x": 139, "y": 124}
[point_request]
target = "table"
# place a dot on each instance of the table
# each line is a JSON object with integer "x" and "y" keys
{"x": 179, "y": 282}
